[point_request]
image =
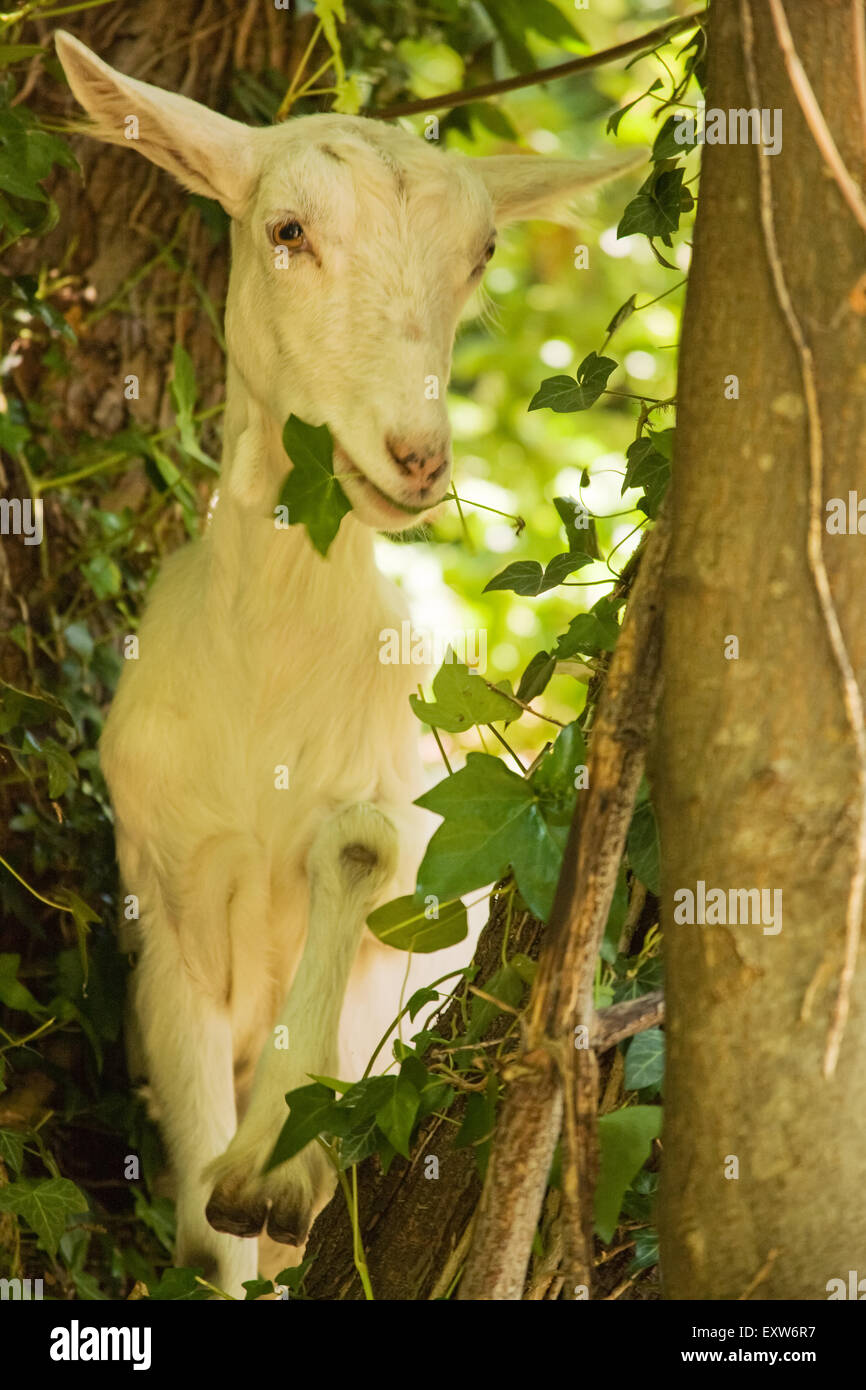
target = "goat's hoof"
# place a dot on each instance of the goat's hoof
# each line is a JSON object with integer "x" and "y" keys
{"x": 233, "y": 1215}
{"x": 283, "y": 1202}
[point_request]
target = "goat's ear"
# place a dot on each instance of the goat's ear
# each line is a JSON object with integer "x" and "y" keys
{"x": 208, "y": 153}
{"x": 524, "y": 186}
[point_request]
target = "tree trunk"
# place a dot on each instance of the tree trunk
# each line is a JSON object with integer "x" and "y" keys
{"x": 756, "y": 768}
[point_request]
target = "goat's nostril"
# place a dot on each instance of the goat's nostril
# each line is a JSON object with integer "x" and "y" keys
{"x": 422, "y": 463}
{"x": 403, "y": 456}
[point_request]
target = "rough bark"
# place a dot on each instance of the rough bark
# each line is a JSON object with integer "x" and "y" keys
{"x": 756, "y": 777}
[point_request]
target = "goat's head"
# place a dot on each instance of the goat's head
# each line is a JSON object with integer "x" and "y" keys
{"x": 355, "y": 246}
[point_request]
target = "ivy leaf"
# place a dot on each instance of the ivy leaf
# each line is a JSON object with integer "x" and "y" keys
{"x": 492, "y": 818}
{"x": 178, "y": 1285}
{"x": 404, "y": 924}
{"x": 157, "y": 1215}
{"x": 656, "y": 208}
{"x": 642, "y": 844}
{"x": 666, "y": 145}
{"x": 311, "y": 1109}
{"x": 562, "y": 393}
{"x": 668, "y": 265}
{"x": 623, "y": 313}
{"x": 46, "y": 1204}
{"x": 646, "y": 1250}
{"x": 360, "y": 1102}
{"x": 521, "y": 577}
{"x": 425, "y": 995}
{"x": 311, "y": 493}
{"x": 508, "y": 986}
{"x": 648, "y": 977}
{"x": 480, "y": 1116}
{"x": 82, "y": 916}
{"x": 61, "y": 767}
{"x": 648, "y": 466}
{"x": 579, "y": 526}
{"x": 479, "y": 1122}
{"x": 28, "y": 709}
{"x": 13, "y": 993}
{"x": 554, "y": 778}
{"x": 589, "y": 633}
{"x": 462, "y": 699}
{"x": 561, "y": 566}
{"x": 536, "y": 676}
{"x": 526, "y": 577}
{"x": 255, "y": 1288}
{"x": 354, "y": 1120}
{"x": 613, "y": 122}
{"x": 625, "y": 1142}
{"x": 645, "y": 1060}
{"x": 397, "y": 1116}
{"x": 11, "y": 1149}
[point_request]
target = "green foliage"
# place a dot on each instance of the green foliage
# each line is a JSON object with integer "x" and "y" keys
{"x": 492, "y": 819}
{"x": 62, "y": 979}
{"x": 408, "y": 924}
{"x": 463, "y": 699}
{"x": 642, "y": 845}
{"x": 528, "y": 578}
{"x": 562, "y": 394}
{"x": 649, "y": 467}
{"x": 658, "y": 207}
{"x": 311, "y": 493}
{"x": 46, "y": 1205}
{"x": 625, "y": 1140}
{"x": 645, "y": 1061}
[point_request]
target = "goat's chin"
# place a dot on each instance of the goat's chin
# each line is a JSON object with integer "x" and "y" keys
{"x": 371, "y": 507}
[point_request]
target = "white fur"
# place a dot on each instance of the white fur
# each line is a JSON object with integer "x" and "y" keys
{"x": 255, "y": 652}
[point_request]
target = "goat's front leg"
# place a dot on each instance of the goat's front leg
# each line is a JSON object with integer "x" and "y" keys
{"x": 353, "y": 856}
{"x": 187, "y": 1046}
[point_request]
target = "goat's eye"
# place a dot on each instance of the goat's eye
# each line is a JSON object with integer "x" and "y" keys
{"x": 290, "y": 234}
{"x": 488, "y": 252}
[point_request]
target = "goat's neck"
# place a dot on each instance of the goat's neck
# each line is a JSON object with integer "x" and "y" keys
{"x": 272, "y": 574}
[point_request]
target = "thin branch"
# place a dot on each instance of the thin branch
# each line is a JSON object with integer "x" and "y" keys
{"x": 815, "y": 116}
{"x": 554, "y": 1082}
{"x": 507, "y": 746}
{"x": 523, "y": 704}
{"x": 623, "y": 1020}
{"x": 815, "y": 555}
{"x": 653, "y": 38}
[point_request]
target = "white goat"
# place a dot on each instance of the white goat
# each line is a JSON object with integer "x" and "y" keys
{"x": 255, "y": 652}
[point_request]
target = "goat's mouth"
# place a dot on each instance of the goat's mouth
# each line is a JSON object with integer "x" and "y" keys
{"x": 366, "y": 496}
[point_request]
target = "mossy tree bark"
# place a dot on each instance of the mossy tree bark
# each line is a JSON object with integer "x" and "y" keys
{"x": 756, "y": 770}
